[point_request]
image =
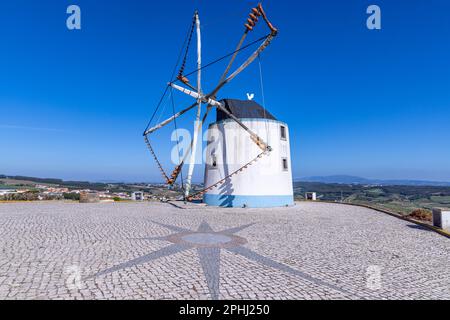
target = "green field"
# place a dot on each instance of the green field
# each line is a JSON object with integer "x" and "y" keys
{"x": 400, "y": 199}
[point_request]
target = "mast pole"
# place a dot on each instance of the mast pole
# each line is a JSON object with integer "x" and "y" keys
{"x": 197, "y": 125}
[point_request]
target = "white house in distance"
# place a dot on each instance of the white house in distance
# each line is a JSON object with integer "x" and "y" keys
{"x": 7, "y": 191}
{"x": 267, "y": 182}
{"x": 137, "y": 196}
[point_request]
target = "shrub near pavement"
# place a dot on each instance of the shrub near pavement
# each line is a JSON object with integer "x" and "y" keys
{"x": 422, "y": 215}
{"x": 72, "y": 196}
{"x": 26, "y": 196}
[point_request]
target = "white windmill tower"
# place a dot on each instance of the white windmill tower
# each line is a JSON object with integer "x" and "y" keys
{"x": 248, "y": 157}
{"x": 266, "y": 182}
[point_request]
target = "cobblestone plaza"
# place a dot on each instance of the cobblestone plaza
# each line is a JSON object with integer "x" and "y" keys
{"x": 57, "y": 250}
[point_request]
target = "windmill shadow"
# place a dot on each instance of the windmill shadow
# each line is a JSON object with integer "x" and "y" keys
{"x": 419, "y": 227}
{"x": 226, "y": 189}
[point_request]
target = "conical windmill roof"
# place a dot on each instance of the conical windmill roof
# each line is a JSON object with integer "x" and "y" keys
{"x": 243, "y": 109}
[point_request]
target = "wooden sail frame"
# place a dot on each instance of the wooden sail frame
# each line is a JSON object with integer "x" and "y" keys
{"x": 210, "y": 99}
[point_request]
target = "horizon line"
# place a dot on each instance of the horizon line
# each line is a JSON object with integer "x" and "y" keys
{"x": 298, "y": 179}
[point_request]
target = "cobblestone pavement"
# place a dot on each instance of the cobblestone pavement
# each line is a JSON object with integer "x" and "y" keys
{"x": 57, "y": 250}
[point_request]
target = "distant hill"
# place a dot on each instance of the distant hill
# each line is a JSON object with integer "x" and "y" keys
{"x": 33, "y": 179}
{"x": 345, "y": 179}
{"x": 52, "y": 181}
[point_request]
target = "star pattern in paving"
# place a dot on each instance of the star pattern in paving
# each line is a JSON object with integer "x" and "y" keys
{"x": 209, "y": 244}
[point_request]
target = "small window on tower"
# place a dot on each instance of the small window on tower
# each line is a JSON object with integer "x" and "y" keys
{"x": 214, "y": 161}
{"x": 283, "y": 132}
{"x": 285, "y": 164}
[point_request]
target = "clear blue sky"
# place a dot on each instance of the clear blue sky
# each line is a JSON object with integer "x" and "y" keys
{"x": 73, "y": 104}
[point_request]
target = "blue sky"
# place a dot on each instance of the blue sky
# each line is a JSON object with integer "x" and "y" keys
{"x": 73, "y": 104}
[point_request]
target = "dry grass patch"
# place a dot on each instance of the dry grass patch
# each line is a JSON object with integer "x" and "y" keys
{"x": 421, "y": 215}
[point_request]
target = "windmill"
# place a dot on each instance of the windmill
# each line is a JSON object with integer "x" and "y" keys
{"x": 209, "y": 101}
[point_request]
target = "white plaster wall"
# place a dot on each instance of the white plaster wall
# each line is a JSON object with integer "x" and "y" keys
{"x": 266, "y": 176}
